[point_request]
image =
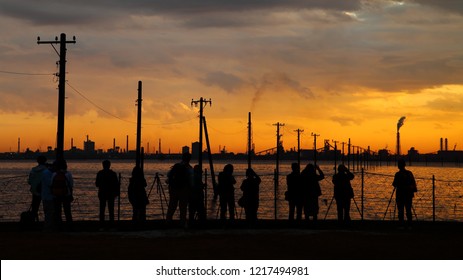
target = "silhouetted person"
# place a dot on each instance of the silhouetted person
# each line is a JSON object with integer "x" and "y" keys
{"x": 35, "y": 181}
{"x": 311, "y": 190}
{"x": 294, "y": 192}
{"x": 108, "y": 189}
{"x": 48, "y": 198}
{"x": 196, "y": 205}
{"x": 227, "y": 192}
{"x": 62, "y": 185}
{"x": 180, "y": 180}
{"x": 137, "y": 195}
{"x": 343, "y": 192}
{"x": 250, "y": 188}
{"x": 405, "y": 186}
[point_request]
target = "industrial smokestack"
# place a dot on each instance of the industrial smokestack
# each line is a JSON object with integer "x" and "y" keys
{"x": 400, "y": 123}
{"x": 441, "y": 144}
{"x": 446, "y": 144}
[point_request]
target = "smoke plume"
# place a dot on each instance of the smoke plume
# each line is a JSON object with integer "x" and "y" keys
{"x": 277, "y": 82}
{"x": 400, "y": 123}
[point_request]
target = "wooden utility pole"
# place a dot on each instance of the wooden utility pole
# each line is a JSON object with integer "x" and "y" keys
{"x": 335, "y": 156}
{"x": 299, "y": 131}
{"x": 250, "y": 151}
{"x": 138, "y": 155}
{"x": 315, "y": 147}
{"x": 277, "y": 168}
{"x": 202, "y": 102}
{"x": 348, "y": 154}
{"x": 61, "y": 88}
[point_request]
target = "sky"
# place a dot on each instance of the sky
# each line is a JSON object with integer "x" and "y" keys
{"x": 339, "y": 69}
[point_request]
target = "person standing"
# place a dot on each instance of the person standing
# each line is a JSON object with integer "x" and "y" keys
{"x": 35, "y": 181}
{"x": 405, "y": 187}
{"x": 294, "y": 193}
{"x": 137, "y": 195}
{"x": 226, "y": 189}
{"x": 48, "y": 198}
{"x": 196, "y": 201}
{"x": 108, "y": 189}
{"x": 62, "y": 187}
{"x": 180, "y": 180}
{"x": 343, "y": 192}
{"x": 250, "y": 188}
{"x": 311, "y": 190}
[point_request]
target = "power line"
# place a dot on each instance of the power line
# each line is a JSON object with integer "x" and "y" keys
{"x": 27, "y": 74}
{"x": 97, "y": 106}
{"x": 119, "y": 118}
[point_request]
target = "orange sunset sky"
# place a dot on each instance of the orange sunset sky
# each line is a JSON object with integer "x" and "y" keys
{"x": 342, "y": 69}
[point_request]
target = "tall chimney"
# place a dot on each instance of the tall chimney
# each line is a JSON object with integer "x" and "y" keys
{"x": 446, "y": 144}
{"x": 441, "y": 144}
{"x": 398, "y": 143}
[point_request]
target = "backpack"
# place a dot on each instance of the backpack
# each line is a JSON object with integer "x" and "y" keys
{"x": 59, "y": 186}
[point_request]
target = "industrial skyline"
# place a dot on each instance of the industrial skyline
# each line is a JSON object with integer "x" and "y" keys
{"x": 341, "y": 69}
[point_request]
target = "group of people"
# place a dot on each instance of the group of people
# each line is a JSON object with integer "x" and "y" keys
{"x": 186, "y": 191}
{"x": 304, "y": 190}
{"x": 53, "y": 185}
{"x": 249, "y": 200}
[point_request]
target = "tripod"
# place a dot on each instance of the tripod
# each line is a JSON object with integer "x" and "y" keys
{"x": 160, "y": 191}
{"x": 395, "y": 206}
{"x": 355, "y": 202}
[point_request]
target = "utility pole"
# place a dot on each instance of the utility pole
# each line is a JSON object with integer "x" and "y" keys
{"x": 127, "y": 144}
{"x": 342, "y": 157}
{"x": 335, "y": 155}
{"x": 61, "y": 88}
{"x": 138, "y": 151}
{"x": 250, "y": 151}
{"x": 315, "y": 147}
{"x": 348, "y": 154}
{"x": 299, "y": 131}
{"x": 202, "y": 102}
{"x": 277, "y": 168}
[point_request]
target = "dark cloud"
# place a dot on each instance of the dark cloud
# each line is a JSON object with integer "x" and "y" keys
{"x": 227, "y": 82}
{"x": 49, "y": 12}
{"x": 277, "y": 82}
{"x": 453, "y": 104}
{"x": 453, "y": 6}
{"x": 415, "y": 75}
{"x": 345, "y": 121}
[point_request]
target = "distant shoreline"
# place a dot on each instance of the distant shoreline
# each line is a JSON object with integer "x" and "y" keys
{"x": 441, "y": 157}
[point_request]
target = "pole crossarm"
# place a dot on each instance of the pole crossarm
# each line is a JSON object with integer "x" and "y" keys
{"x": 202, "y": 102}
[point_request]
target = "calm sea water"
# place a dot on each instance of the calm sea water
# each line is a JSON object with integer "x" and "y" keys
{"x": 442, "y": 197}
